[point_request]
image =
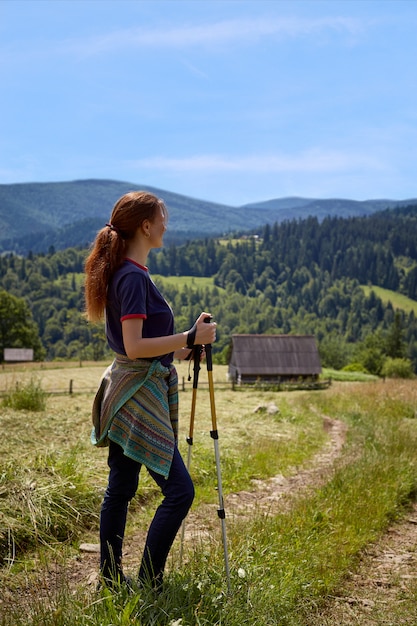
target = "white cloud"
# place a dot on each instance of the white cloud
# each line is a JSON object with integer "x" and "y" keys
{"x": 241, "y": 30}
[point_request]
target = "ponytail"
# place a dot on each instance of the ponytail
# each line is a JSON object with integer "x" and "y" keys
{"x": 106, "y": 256}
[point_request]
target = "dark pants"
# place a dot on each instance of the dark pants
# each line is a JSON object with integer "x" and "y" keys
{"x": 178, "y": 492}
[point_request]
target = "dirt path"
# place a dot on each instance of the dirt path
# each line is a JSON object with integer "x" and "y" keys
{"x": 383, "y": 589}
{"x": 272, "y": 494}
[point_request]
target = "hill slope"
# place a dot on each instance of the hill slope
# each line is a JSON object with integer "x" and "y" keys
{"x": 300, "y": 208}
{"x": 36, "y": 216}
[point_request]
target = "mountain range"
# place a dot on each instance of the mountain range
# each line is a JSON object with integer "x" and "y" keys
{"x": 39, "y": 216}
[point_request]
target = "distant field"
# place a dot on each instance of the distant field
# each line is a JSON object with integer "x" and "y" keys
{"x": 85, "y": 378}
{"x": 397, "y": 300}
{"x": 186, "y": 281}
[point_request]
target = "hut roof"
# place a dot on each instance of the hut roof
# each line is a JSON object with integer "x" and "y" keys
{"x": 289, "y": 355}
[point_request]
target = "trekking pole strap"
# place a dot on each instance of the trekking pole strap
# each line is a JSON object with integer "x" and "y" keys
{"x": 191, "y": 336}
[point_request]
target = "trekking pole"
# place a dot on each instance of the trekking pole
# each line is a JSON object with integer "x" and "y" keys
{"x": 196, "y": 360}
{"x": 215, "y": 436}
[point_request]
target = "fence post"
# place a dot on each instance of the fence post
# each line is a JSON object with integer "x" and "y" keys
{"x": 70, "y": 386}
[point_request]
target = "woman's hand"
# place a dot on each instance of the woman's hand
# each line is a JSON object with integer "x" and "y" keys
{"x": 205, "y": 332}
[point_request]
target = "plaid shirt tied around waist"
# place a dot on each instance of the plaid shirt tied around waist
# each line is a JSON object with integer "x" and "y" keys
{"x": 136, "y": 406}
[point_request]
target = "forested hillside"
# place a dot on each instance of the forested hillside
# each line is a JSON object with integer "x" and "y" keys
{"x": 300, "y": 276}
{"x": 40, "y": 216}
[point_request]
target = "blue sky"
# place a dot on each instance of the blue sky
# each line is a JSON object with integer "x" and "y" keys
{"x": 226, "y": 101}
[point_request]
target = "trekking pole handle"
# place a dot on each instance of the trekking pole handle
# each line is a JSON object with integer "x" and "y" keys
{"x": 209, "y": 360}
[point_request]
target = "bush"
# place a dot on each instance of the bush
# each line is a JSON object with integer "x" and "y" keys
{"x": 397, "y": 368}
{"x": 29, "y": 397}
{"x": 355, "y": 367}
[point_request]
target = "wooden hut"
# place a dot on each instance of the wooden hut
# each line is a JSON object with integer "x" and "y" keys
{"x": 274, "y": 358}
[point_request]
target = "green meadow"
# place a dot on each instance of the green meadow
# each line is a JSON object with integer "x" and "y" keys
{"x": 196, "y": 282}
{"x": 398, "y": 300}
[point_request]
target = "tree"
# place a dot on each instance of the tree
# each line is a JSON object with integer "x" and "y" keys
{"x": 371, "y": 354}
{"x": 17, "y": 328}
{"x": 394, "y": 342}
{"x": 334, "y": 352}
{"x": 411, "y": 283}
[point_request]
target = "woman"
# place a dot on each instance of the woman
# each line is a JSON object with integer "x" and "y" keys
{"x": 135, "y": 411}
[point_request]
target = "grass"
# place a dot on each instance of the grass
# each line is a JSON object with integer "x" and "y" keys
{"x": 27, "y": 396}
{"x": 345, "y": 376}
{"x": 283, "y": 565}
{"x": 43, "y": 502}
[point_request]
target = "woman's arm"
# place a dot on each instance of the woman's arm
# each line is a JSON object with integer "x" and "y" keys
{"x": 183, "y": 354}
{"x": 137, "y": 347}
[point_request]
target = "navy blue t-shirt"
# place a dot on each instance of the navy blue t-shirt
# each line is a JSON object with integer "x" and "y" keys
{"x": 133, "y": 294}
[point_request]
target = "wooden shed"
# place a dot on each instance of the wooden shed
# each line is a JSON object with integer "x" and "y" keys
{"x": 274, "y": 358}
